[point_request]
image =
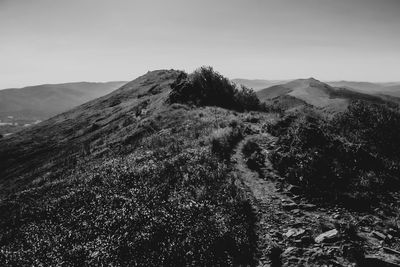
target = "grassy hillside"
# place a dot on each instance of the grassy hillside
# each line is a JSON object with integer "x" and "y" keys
{"x": 126, "y": 179}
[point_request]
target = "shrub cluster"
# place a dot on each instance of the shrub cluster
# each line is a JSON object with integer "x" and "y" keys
{"x": 206, "y": 87}
{"x": 341, "y": 159}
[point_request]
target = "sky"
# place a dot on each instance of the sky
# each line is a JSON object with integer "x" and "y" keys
{"x": 54, "y": 41}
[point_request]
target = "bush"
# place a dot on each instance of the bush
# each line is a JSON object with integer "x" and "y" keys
{"x": 341, "y": 159}
{"x": 375, "y": 126}
{"x": 206, "y": 87}
{"x": 246, "y": 99}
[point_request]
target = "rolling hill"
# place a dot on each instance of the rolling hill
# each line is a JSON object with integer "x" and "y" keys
{"x": 314, "y": 93}
{"x": 258, "y": 84}
{"x": 390, "y": 89}
{"x": 44, "y": 101}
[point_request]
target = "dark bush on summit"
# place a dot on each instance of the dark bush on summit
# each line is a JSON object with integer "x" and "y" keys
{"x": 206, "y": 87}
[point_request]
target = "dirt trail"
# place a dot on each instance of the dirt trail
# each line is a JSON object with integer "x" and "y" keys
{"x": 265, "y": 200}
{"x": 291, "y": 223}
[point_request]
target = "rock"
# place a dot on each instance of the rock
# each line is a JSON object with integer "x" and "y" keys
{"x": 289, "y": 206}
{"x": 296, "y": 211}
{"x": 391, "y": 251}
{"x": 327, "y": 236}
{"x": 294, "y": 232}
{"x": 288, "y": 250}
{"x": 296, "y": 197}
{"x": 370, "y": 239}
{"x": 379, "y": 235}
{"x": 308, "y": 207}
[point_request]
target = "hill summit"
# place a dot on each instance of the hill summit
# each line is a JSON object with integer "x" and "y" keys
{"x": 315, "y": 93}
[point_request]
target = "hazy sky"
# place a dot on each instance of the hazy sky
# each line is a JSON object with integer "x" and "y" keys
{"x": 51, "y": 41}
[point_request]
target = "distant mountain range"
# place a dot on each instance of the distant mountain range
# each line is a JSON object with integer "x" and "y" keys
{"x": 44, "y": 101}
{"x": 258, "y": 84}
{"x": 391, "y": 88}
{"x": 29, "y": 105}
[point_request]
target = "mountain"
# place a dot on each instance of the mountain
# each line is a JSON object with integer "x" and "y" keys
{"x": 390, "y": 89}
{"x": 44, "y": 101}
{"x": 314, "y": 93}
{"x": 160, "y": 172}
{"x": 257, "y": 84}
{"x": 65, "y": 135}
{"x": 127, "y": 179}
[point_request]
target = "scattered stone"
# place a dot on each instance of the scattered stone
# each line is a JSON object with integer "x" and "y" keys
{"x": 294, "y": 232}
{"x": 289, "y": 250}
{"x": 391, "y": 251}
{"x": 327, "y": 236}
{"x": 289, "y": 206}
{"x": 379, "y": 235}
{"x": 296, "y": 211}
{"x": 371, "y": 240}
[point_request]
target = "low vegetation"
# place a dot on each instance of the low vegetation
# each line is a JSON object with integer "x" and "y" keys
{"x": 352, "y": 158}
{"x": 170, "y": 202}
{"x": 224, "y": 140}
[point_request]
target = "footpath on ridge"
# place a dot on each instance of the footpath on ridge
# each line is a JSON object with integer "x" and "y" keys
{"x": 294, "y": 232}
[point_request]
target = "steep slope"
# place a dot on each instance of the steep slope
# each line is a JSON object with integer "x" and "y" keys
{"x": 315, "y": 93}
{"x": 44, "y": 101}
{"x": 24, "y": 154}
{"x": 128, "y": 179}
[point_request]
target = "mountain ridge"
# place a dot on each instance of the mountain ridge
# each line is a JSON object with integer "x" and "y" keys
{"x": 315, "y": 93}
